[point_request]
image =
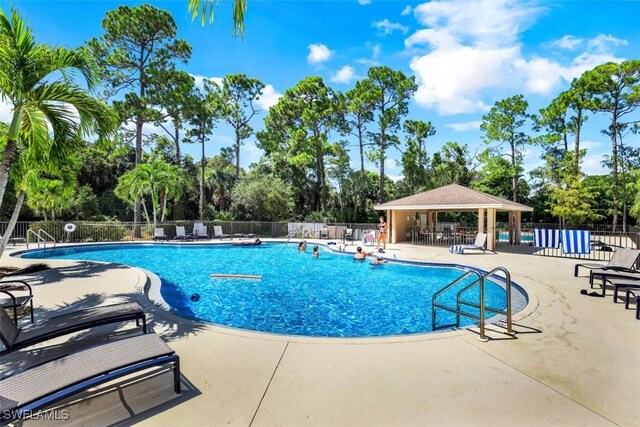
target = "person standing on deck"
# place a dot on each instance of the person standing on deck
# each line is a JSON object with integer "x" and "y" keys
{"x": 382, "y": 231}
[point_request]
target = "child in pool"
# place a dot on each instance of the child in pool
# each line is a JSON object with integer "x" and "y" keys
{"x": 315, "y": 254}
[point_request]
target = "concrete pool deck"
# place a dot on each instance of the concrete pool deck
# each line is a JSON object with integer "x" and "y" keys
{"x": 576, "y": 361}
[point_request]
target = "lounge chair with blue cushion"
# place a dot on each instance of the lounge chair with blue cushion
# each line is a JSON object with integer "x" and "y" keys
{"x": 479, "y": 244}
{"x": 47, "y": 383}
{"x": 15, "y": 338}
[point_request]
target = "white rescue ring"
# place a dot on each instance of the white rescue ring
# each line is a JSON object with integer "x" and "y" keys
{"x": 69, "y": 227}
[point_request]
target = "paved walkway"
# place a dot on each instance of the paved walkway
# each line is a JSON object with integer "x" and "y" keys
{"x": 575, "y": 362}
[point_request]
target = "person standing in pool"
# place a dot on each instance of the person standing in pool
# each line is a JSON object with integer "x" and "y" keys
{"x": 382, "y": 230}
{"x": 316, "y": 253}
{"x": 360, "y": 254}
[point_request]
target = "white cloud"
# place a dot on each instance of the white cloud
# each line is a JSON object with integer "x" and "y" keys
{"x": 591, "y": 145}
{"x": 6, "y": 112}
{"x": 344, "y": 75}
{"x": 199, "y": 80}
{"x": 375, "y": 51}
{"x": 406, "y": 11}
{"x": 389, "y": 27}
{"x": 568, "y": 42}
{"x": 465, "y": 126}
{"x": 540, "y": 75}
{"x": 472, "y": 48}
{"x": 364, "y": 2}
{"x": 269, "y": 97}
{"x": 603, "y": 43}
{"x": 592, "y": 165}
{"x": 319, "y": 53}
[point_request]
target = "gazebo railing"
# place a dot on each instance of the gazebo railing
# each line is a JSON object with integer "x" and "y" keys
{"x": 442, "y": 236}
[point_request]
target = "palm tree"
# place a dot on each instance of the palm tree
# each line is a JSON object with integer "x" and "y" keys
{"x": 204, "y": 8}
{"x": 156, "y": 180}
{"x": 35, "y": 175}
{"x": 42, "y": 104}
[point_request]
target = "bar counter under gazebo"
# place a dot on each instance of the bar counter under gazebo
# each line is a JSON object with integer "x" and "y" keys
{"x": 420, "y": 213}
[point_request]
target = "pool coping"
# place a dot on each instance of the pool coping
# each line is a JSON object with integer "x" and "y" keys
{"x": 152, "y": 293}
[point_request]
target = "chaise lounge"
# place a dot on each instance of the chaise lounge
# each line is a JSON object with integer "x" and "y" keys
{"x": 50, "y": 382}
{"x": 480, "y": 244}
{"x": 622, "y": 260}
{"x": 15, "y": 338}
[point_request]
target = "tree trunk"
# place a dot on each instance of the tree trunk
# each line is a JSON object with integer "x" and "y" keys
{"x": 614, "y": 166}
{"x": 382, "y": 146}
{"x": 164, "y": 205}
{"x": 12, "y": 222}
{"x": 176, "y": 137}
{"x": 514, "y": 176}
{"x": 201, "y": 204}
{"x": 361, "y": 143}
{"x": 576, "y": 148}
{"x": 10, "y": 150}
{"x": 237, "y": 155}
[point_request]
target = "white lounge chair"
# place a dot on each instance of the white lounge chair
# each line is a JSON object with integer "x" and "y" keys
{"x": 201, "y": 233}
{"x": 181, "y": 233}
{"x": 480, "y": 244}
{"x": 218, "y": 234}
{"x": 158, "y": 234}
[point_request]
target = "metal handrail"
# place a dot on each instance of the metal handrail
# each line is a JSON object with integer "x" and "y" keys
{"x": 506, "y": 311}
{"x": 38, "y": 237}
{"x": 481, "y": 306}
{"x": 435, "y": 304}
{"x": 49, "y": 236}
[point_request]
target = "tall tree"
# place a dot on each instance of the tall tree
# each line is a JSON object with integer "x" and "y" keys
{"x": 202, "y": 120}
{"x": 389, "y": 92}
{"x": 451, "y": 165}
{"x": 138, "y": 46}
{"x": 415, "y": 161}
{"x": 238, "y": 95}
{"x": 174, "y": 98}
{"x": 358, "y": 111}
{"x": 616, "y": 91}
{"x": 503, "y": 125}
{"x": 297, "y": 133}
{"x": 43, "y": 100}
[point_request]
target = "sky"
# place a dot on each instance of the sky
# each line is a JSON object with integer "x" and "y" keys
{"x": 464, "y": 54}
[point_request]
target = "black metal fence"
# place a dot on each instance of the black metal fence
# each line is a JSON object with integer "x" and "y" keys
{"x": 604, "y": 239}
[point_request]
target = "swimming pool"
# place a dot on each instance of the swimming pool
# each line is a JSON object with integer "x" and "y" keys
{"x": 332, "y": 296}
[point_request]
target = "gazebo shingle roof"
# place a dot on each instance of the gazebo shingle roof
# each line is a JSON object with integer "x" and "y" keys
{"x": 452, "y": 197}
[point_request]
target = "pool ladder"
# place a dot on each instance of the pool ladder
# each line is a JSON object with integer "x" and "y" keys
{"x": 41, "y": 237}
{"x": 480, "y": 281}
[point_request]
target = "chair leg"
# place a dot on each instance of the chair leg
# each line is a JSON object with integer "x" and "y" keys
{"x": 176, "y": 375}
{"x": 31, "y": 309}
{"x": 144, "y": 324}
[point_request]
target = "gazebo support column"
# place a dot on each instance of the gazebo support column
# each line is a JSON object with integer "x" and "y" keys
{"x": 491, "y": 229}
{"x": 481, "y": 220}
{"x": 392, "y": 216}
{"x": 518, "y": 227}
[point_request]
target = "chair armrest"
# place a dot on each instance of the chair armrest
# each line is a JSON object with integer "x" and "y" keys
{"x": 16, "y": 285}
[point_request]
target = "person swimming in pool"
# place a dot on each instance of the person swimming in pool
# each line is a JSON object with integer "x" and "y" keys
{"x": 316, "y": 253}
{"x": 255, "y": 242}
{"x": 302, "y": 246}
{"x": 360, "y": 254}
{"x": 378, "y": 260}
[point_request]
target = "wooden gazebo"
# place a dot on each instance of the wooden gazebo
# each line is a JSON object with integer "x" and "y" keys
{"x": 422, "y": 208}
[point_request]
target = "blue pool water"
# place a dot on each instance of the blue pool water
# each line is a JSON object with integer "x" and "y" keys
{"x": 332, "y": 296}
